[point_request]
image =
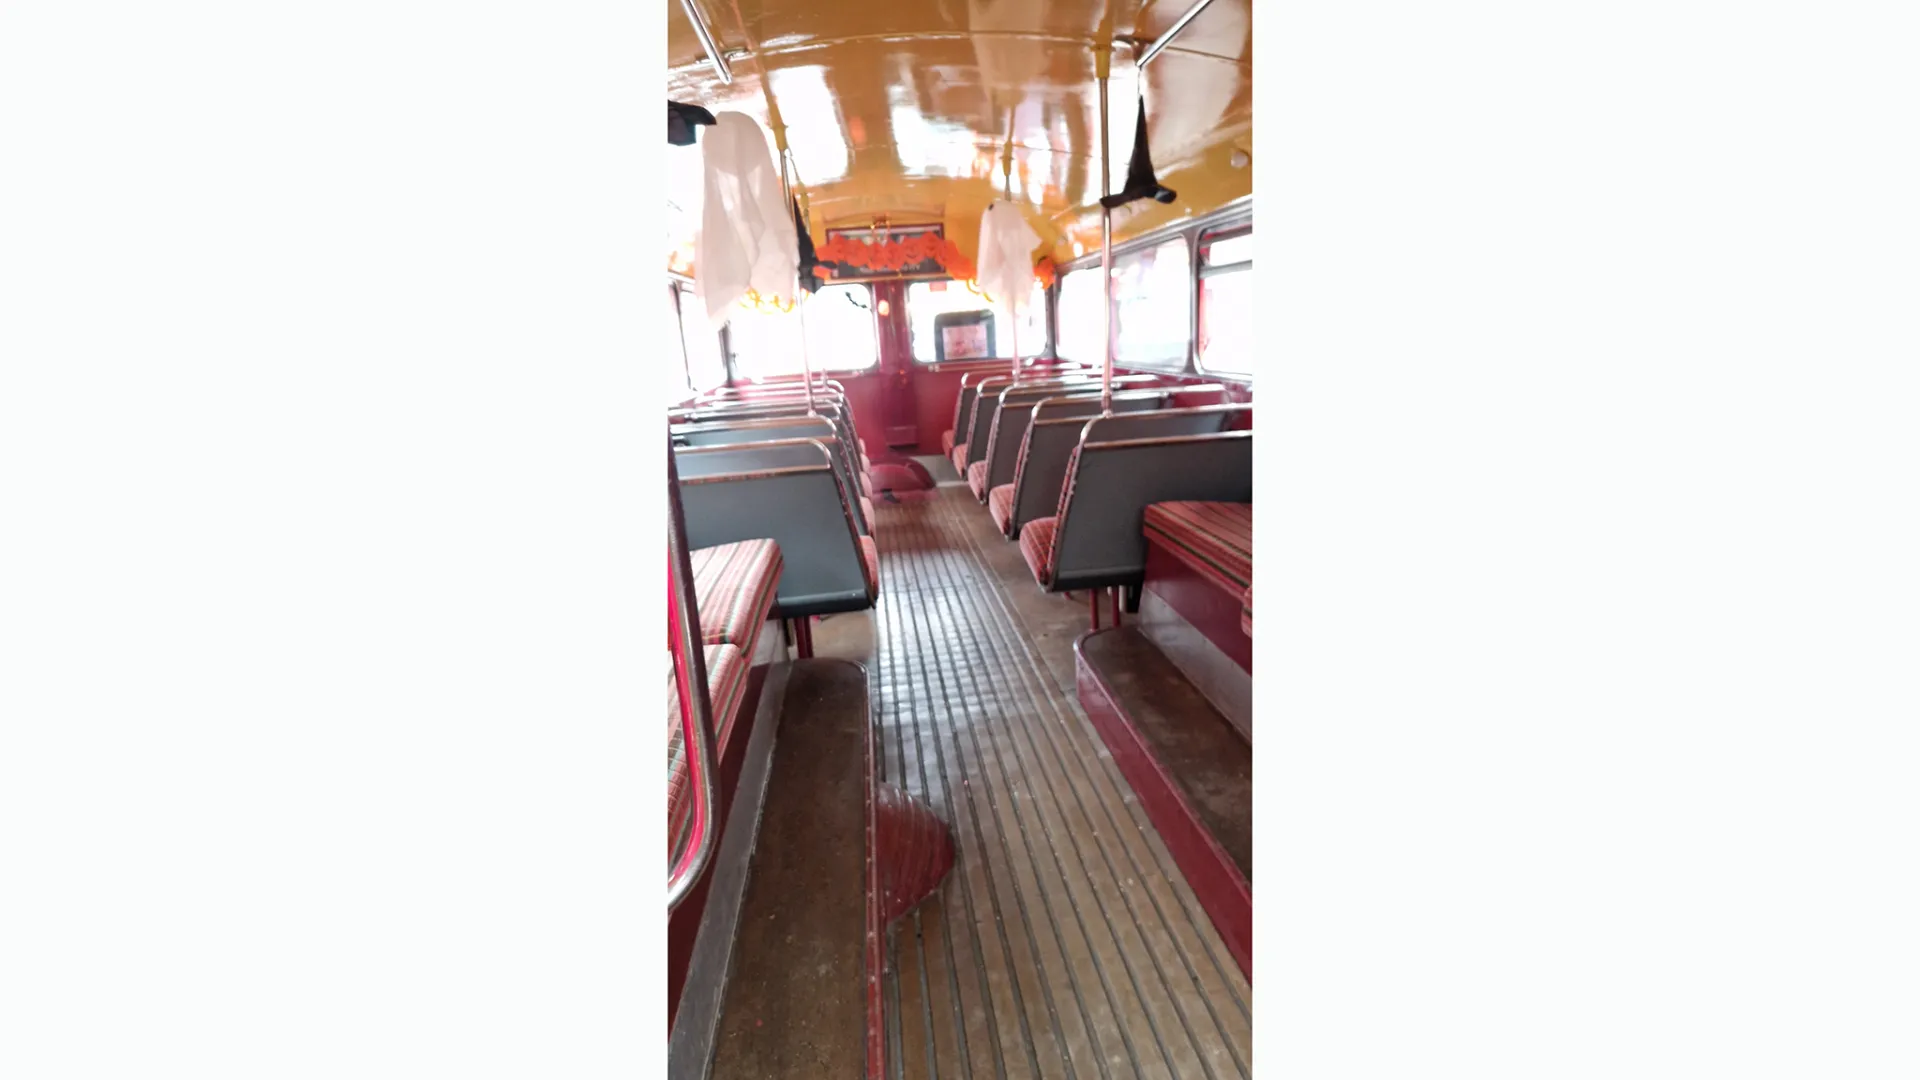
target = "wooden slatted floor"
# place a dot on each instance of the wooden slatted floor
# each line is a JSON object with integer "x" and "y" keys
{"x": 1064, "y": 943}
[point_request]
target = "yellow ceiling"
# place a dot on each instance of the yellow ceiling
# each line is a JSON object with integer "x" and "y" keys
{"x": 903, "y": 108}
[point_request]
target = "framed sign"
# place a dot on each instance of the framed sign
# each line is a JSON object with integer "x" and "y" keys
{"x": 963, "y": 335}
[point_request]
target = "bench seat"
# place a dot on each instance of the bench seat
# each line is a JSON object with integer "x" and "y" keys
{"x": 958, "y": 455}
{"x": 727, "y": 669}
{"x": 870, "y": 556}
{"x": 946, "y": 442}
{"x": 734, "y": 586}
{"x": 1246, "y": 611}
{"x": 1215, "y": 539}
{"x": 1036, "y": 544}
{"x": 977, "y": 479}
{"x": 1000, "y": 505}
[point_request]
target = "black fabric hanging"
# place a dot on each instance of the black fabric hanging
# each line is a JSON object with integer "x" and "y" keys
{"x": 808, "y": 258}
{"x": 683, "y": 122}
{"x": 1141, "y": 183}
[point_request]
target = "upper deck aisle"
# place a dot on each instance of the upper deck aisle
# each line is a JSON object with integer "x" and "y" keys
{"x": 1065, "y": 943}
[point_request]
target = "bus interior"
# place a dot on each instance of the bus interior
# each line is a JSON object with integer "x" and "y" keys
{"x": 960, "y": 583}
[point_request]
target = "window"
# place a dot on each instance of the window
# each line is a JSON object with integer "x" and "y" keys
{"x": 1226, "y": 345}
{"x": 1152, "y": 290}
{"x": 1082, "y": 327}
{"x": 928, "y": 300}
{"x": 1152, "y": 301}
{"x": 673, "y": 363}
{"x": 706, "y": 368}
{"x": 839, "y": 335}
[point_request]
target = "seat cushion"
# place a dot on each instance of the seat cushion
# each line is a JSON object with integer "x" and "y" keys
{"x": 977, "y": 479}
{"x": 946, "y": 442}
{"x": 959, "y": 458}
{"x": 727, "y": 669}
{"x": 1000, "y": 505}
{"x": 866, "y": 511}
{"x": 1246, "y": 611}
{"x": 735, "y": 585}
{"x": 1214, "y": 538}
{"x": 870, "y": 555}
{"x": 1036, "y": 544}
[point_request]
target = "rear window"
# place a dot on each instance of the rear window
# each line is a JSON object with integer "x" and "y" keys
{"x": 972, "y": 323}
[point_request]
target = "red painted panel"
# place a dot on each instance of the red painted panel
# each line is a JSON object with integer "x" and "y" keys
{"x": 1225, "y": 895}
{"x": 1210, "y": 609}
{"x": 684, "y": 924}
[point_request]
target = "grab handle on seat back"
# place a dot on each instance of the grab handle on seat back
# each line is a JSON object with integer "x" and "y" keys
{"x": 696, "y": 711}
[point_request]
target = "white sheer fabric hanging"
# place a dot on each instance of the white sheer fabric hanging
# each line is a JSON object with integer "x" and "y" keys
{"x": 1005, "y": 265}
{"x": 747, "y": 239}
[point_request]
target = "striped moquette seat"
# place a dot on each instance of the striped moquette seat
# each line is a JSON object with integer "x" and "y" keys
{"x": 870, "y": 558}
{"x": 1246, "y": 612}
{"x": 734, "y": 585}
{"x": 726, "y": 684}
{"x": 1000, "y": 505}
{"x": 1037, "y": 538}
{"x": 1214, "y": 538}
{"x": 977, "y": 479}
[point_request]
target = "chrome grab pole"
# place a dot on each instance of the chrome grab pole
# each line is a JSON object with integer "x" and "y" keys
{"x": 1103, "y": 61}
{"x": 1013, "y": 305}
{"x": 786, "y": 196}
{"x": 1167, "y": 36}
{"x": 696, "y": 711}
{"x": 706, "y": 41}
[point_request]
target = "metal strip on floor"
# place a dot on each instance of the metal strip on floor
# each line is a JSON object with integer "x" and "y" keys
{"x": 1064, "y": 943}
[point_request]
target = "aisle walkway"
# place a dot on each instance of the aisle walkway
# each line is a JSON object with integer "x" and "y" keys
{"x": 1064, "y": 943}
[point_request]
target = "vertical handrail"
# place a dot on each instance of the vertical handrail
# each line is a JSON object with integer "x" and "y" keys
{"x": 696, "y": 711}
{"x": 1013, "y": 303}
{"x": 1103, "y": 64}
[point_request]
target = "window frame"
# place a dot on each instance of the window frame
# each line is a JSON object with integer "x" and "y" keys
{"x": 1205, "y": 268}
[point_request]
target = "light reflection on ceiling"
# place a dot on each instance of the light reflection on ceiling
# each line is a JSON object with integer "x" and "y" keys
{"x": 904, "y": 108}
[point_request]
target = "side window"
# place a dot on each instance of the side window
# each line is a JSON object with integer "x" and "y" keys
{"x": 674, "y": 377}
{"x": 706, "y": 368}
{"x": 839, "y": 332}
{"x": 1153, "y": 306}
{"x": 928, "y": 301}
{"x": 1226, "y": 345}
{"x": 1083, "y": 327}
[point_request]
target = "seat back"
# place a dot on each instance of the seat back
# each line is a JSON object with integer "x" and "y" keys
{"x": 1007, "y": 436}
{"x": 759, "y": 429}
{"x": 1099, "y": 539}
{"x": 1051, "y": 439}
{"x": 826, "y": 430}
{"x": 963, "y": 405}
{"x": 831, "y": 408}
{"x": 804, "y": 509}
{"x": 754, "y": 457}
{"x": 986, "y": 403}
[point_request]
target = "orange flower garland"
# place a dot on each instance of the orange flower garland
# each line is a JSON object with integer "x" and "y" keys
{"x": 897, "y": 255}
